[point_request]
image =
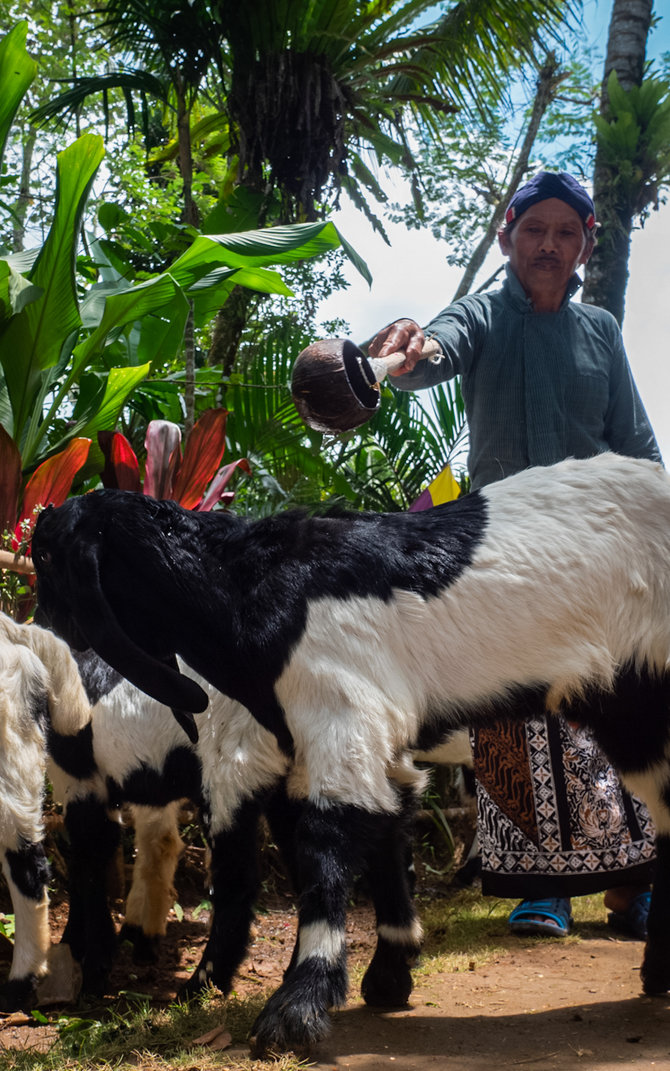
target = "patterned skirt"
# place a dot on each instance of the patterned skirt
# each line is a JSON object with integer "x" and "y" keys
{"x": 553, "y": 818}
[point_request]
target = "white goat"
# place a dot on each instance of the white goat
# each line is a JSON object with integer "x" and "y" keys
{"x": 40, "y": 692}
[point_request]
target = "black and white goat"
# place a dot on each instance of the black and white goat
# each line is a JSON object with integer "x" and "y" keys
{"x": 352, "y": 637}
{"x": 40, "y": 693}
{"x": 134, "y": 753}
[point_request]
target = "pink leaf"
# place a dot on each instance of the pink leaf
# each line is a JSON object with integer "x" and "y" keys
{"x": 216, "y": 491}
{"x": 163, "y": 442}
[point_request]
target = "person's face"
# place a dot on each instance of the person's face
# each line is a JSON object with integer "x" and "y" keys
{"x": 545, "y": 247}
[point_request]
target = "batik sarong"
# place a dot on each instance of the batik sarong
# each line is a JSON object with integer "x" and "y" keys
{"x": 553, "y": 818}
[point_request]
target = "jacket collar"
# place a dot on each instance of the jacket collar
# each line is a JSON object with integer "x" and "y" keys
{"x": 516, "y": 294}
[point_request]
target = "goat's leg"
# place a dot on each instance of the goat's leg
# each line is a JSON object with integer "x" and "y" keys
{"x": 655, "y": 970}
{"x": 158, "y": 847}
{"x": 233, "y": 892}
{"x": 90, "y": 929}
{"x": 27, "y": 874}
{"x": 388, "y": 980}
{"x": 296, "y": 1016}
{"x": 283, "y": 814}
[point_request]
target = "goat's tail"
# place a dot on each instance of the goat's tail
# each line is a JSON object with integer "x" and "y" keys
{"x": 69, "y": 708}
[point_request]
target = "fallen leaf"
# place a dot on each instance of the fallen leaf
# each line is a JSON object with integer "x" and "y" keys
{"x": 15, "y": 1019}
{"x": 218, "y": 1038}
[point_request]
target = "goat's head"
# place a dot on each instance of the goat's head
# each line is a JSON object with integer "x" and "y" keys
{"x": 92, "y": 556}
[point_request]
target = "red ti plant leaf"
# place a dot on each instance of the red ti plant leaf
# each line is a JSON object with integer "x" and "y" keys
{"x": 163, "y": 441}
{"x": 202, "y": 456}
{"x": 216, "y": 491}
{"x": 10, "y": 481}
{"x": 52, "y": 480}
{"x": 122, "y": 470}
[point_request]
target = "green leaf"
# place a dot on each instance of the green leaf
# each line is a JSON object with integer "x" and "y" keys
{"x": 17, "y": 70}
{"x": 237, "y": 212}
{"x": 161, "y": 334}
{"x": 125, "y": 307}
{"x": 33, "y": 339}
{"x": 120, "y": 383}
{"x": 274, "y": 245}
{"x": 15, "y": 291}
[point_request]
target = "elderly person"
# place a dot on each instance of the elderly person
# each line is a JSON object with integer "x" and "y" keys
{"x": 543, "y": 378}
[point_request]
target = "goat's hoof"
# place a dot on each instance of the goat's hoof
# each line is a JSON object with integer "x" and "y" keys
{"x": 145, "y": 947}
{"x": 387, "y": 983}
{"x": 18, "y": 994}
{"x": 386, "y": 991}
{"x": 288, "y": 1025}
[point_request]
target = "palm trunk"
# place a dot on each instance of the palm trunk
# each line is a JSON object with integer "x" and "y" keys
{"x": 606, "y": 274}
{"x": 23, "y": 199}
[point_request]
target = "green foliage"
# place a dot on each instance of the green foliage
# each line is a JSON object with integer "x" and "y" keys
{"x": 463, "y": 174}
{"x": 304, "y": 99}
{"x": 17, "y": 71}
{"x": 635, "y": 141}
{"x": 7, "y": 926}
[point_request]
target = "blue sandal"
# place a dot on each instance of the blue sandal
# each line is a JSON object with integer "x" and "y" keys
{"x": 543, "y": 918}
{"x": 632, "y": 921}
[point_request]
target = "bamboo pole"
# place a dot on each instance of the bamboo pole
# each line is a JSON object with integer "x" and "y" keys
{"x": 17, "y": 563}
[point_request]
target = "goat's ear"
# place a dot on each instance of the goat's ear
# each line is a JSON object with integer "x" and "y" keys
{"x": 98, "y": 623}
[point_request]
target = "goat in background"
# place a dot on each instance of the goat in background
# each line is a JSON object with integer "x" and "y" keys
{"x": 40, "y": 693}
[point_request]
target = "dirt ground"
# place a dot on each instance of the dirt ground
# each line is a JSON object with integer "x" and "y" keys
{"x": 538, "y": 1005}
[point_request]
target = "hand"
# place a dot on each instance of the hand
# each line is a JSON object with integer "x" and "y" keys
{"x": 402, "y": 336}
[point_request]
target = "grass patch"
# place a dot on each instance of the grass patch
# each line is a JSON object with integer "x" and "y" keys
{"x": 138, "y": 1036}
{"x": 465, "y": 930}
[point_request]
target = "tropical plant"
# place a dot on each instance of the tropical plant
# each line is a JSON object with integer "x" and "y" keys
{"x": 49, "y": 484}
{"x": 52, "y": 330}
{"x": 632, "y": 162}
{"x": 307, "y": 89}
{"x": 71, "y": 354}
{"x": 189, "y": 478}
{"x": 634, "y": 168}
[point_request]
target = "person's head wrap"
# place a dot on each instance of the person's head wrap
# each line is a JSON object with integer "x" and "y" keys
{"x": 548, "y": 184}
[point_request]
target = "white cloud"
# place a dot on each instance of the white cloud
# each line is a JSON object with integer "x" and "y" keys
{"x": 646, "y": 326}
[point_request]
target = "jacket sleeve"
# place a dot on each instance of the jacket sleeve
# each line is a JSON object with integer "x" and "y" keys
{"x": 459, "y": 330}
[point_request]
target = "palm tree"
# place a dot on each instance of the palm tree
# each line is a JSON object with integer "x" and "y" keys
{"x": 311, "y": 86}
{"x": 315, "y": 87}
{"x": 606, "y": 273}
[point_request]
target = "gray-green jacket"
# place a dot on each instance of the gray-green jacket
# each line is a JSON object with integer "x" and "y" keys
{"x": 538, "y": 387}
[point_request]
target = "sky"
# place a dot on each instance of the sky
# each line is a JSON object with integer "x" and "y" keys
{"x": 412, "y": 277}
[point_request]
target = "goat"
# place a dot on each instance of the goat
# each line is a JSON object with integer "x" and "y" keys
{"x": 40, "y": 692}
{"x": 352, "y": 637}
{"x": 132, "y": 753}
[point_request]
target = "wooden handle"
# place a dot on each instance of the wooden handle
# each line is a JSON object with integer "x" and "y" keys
{"x": 17, "y": 563}
{"x": 381, "y": 366}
